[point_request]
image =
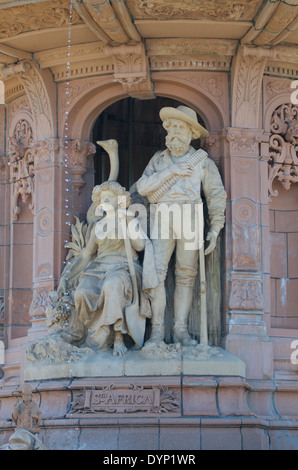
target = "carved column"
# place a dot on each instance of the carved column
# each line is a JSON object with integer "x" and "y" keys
{"x": 245, "y": 250}
{"x": 53, "y": 216}
{"x": 4, "y": 244}
{"x": 3, "y": 226}
{"x": 247, "y": 228}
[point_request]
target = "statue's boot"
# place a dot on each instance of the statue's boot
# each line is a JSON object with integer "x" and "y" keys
{"x": 158, "y": 304}
{"x": 182, "y": 303}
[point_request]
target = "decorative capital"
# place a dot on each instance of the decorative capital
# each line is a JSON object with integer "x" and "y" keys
{"x": 238, "y": 142}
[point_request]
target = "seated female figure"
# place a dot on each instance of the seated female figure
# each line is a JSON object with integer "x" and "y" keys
{"x": 105, "y": 285}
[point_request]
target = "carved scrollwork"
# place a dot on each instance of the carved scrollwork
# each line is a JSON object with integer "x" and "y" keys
{"x": 21, "y": 161}
{"x": 40, "y": 301}
{"x": 35, "y": 16}
{"x": 207, "y": 9}
{"x": 283, "y": 159}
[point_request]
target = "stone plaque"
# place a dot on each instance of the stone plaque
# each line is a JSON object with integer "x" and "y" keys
{"x": 130, "y": 399}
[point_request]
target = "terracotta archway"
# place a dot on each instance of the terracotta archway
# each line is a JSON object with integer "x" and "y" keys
{"x": 87, "y": 106}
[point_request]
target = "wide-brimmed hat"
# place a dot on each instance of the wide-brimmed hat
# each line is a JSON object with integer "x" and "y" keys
{"x": 187, "y": 115}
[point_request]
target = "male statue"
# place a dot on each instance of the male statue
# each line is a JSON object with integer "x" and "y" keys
{"x": 175, "y": 176}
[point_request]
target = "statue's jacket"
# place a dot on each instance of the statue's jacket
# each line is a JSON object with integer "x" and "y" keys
{"x": 186, "y": 189}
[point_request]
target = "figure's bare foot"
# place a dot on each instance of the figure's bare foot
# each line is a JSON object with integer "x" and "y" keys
{"x": 119, "y": 346}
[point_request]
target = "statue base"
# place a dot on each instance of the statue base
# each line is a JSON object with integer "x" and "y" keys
{"x": 152, "y": 360}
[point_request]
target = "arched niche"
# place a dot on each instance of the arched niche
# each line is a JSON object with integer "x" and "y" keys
{"x": 188, "y": 89}
{"x": 82, "y": 117}
{"x": 89, "y": 105}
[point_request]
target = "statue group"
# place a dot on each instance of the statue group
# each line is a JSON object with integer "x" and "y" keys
{"x": 112, "y": 291}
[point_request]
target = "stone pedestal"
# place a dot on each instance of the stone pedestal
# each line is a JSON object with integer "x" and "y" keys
{"x": 173, "y": 362}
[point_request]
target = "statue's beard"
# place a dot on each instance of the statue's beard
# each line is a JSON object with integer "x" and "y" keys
{"x": 178, "y": 145}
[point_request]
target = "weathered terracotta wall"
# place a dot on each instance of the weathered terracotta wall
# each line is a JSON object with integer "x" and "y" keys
{"x": 259, "y": 254}
{"x": 21, "y": 269}
{"x": 283, "y": 258}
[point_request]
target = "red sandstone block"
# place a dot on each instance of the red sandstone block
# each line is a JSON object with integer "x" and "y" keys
{"x": 283, "y": 439}
{"x": 272, "y": 220}
{"x": 22, "y": 234}
{"x": 22, "y": 257}
{"x": 199, "y": 396}
{"x": 287, "y": 322}
{"x": 266, "y": 292}
{"x": 265, "y": 215}
{"x": 233, "y": 401}
{"x": 3, "y": 267}
{"x": 287, "y": 297}
{"x": 20, "y": 303}
{"x": 44, "y": 179}
{"x": 278, "y": 254}
{"x": 139, "y": 437}
{"x": 177, "y": 437}
{"x": 244, "y": 181}
{"x": 254, "y": 438}
{"x": 287, "y": 404}
{"x": 227, "y": 437}
{"x": 99, "y": 437}
{"x": 286, "y": 221}
{"x": 4, "y": 235}
{"x": 293, "y": 255}
{"x": 261, "y": 403}
{"x": 263, "y": 179}
{"x": 273, "y": 296}
{"x": 266, "y": 249}
{"x": 61, "y": 438}
{"x": 286, "y": 199}
{"x": 55, "y": 404}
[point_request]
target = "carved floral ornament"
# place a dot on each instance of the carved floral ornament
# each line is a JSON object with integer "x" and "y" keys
{"x": 207, "y": 9}
{"x": 21, "y": 161}
{"x": 283, "y": 147}
{"x": 35, "y": 16}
